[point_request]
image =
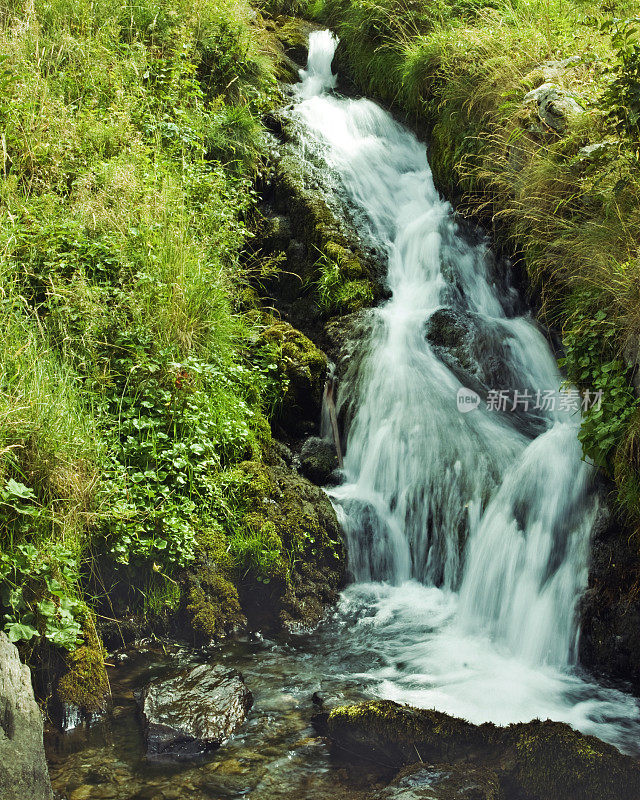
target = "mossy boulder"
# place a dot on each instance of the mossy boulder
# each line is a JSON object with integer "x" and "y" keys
{"x": 533, "y": 761}
{"x": 210, "y": 603}
{"x": 290, "y": 554}
{"x": 402, "y": 733}
{"x": 303, "y": 369}
{"x": 84, "y": 683}
{"x": 289, "y": 44}
{"x": 553, "y": 760}
{"x": 213, "y": 605}
{"x": 309, "y": 207}
{"x": 324, "y": 253}
{"x": 318, "y": 459}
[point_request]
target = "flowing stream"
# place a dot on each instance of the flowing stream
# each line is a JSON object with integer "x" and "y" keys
{"x": 467, "y": 527}
{"x": 468, "y": 530}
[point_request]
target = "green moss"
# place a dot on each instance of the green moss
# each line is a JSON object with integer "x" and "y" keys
{"x": 85, "y": 683}
{"x": 537, "y": 760}
{"x": 286, "y": 543}
{"x": 213, "y": 606}
{"x": 404, "y": 732}
{"x": 554, "y": 761}
{"x": 302, "y": 368}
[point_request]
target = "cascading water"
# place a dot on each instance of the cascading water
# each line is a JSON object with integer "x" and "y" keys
{"x": 468, "y": 533}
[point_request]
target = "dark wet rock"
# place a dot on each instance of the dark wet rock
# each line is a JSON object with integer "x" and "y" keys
{"x": 303, "y": 368}
{"x": 23, "y": 768}
{"x": 298, "y": 522}
{"x": 345, "y": 336}
{"x": 472, "y": 349}
{"x": 443, "y": 782}
{"x": 610, "y": 608}
{"x": 276, "y": 234}
{"x": 194, "y": 712}
{"x": 318, "y": 460}
{"x": 535, "y": 760}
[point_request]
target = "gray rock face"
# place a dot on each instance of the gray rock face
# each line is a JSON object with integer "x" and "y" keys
{"x": 554, "y": 106}
{"x": 194, "y": 712}
{"x": 23, "y": 768}
{"x": 318, "y": 460}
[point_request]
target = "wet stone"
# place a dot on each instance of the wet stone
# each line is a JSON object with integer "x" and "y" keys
{"x": 318, "y": 460}
{"x": 194, "y": 712}
{"x": 443, "y": 782}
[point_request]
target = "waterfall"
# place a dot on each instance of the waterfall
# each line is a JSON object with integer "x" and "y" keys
{"x": 467, "y": 526}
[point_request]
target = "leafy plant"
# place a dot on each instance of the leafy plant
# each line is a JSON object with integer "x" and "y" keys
{"x": 592, "y": 364}
{"x": 38, "y": 591}
{"x": 622, "y": 94}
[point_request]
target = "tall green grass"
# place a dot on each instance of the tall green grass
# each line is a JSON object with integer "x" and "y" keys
{"x": 130, "y": 140}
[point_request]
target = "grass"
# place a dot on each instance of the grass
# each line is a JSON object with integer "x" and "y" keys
{"x": 130, "y": 378}
{"x": 573, "y": 218}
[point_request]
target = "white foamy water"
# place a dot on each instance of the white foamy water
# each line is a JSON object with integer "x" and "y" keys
{"x": 468, "y": 534}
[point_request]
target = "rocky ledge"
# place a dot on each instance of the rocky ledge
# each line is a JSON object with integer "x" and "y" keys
{"x": 440, "y": 757}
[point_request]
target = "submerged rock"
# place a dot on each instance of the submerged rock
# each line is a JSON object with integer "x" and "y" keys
{"x": 194, "y": 712}
{"x": 23, "y": 768}
{"x": 443, "y": 782}
{"x": 318, "y": 459}
{"x": 534, "y": 760}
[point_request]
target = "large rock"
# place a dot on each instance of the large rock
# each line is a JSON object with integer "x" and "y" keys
{"x": 554, "y": 107}
{"x": 318, "y": 459}
{"x": 299, "y": 531}
{"x": 23, "y": 768}
{"x": 474, "y": 349}
{"x": 610, "y": 608}
{"x": 303, "y": 369}
{"x": 534, "y": 760}
{"x": 194, "y": 712}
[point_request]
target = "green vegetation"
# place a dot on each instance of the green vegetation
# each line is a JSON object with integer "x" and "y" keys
{"x": 566, "y": 195}
{"x": 343, "y": 286}
{"x": 132, "y": 377}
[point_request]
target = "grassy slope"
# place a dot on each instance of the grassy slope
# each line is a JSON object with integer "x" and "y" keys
{"x": 131, "y": 382}
{"x": 463, "y": 68}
